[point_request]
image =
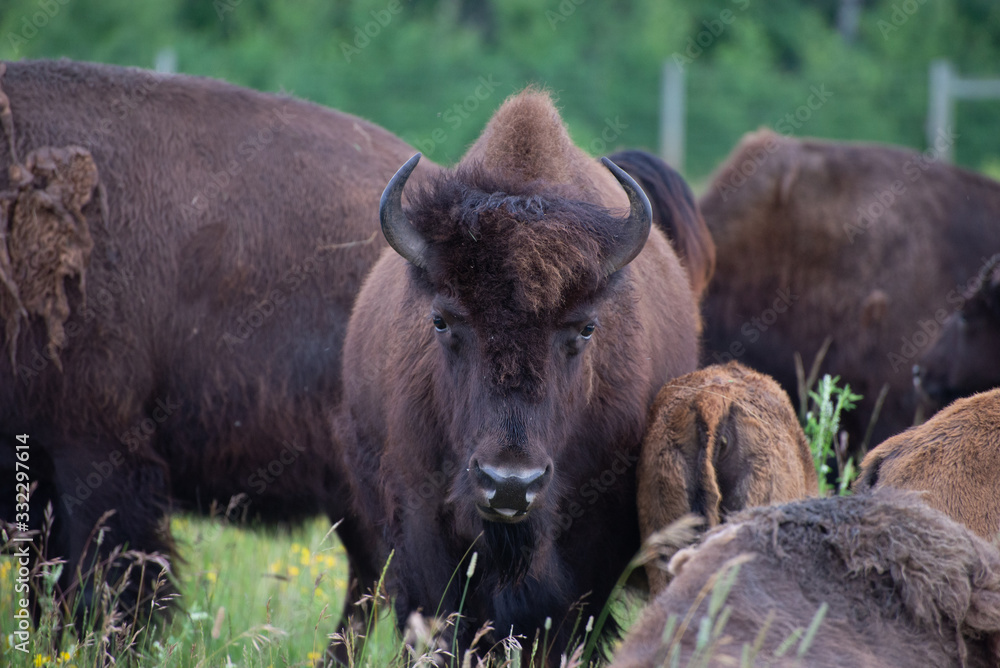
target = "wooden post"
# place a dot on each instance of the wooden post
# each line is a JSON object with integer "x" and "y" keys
{"x": 672, "y": 106}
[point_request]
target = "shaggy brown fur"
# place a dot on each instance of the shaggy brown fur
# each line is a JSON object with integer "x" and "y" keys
{"x": 719, "y": 440}
{"x": 905, "y": 586}
{"x": 223, "y": 234}
{"x": 514, "y": 273}
{"x": 954, "y": 458}
{"x": 966, "y": 357}
{"x": 880, "y": 285}
{"x": 49, "y": 240}
{"x": 675, "y": 211}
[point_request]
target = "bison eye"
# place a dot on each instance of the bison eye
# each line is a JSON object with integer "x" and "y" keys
{"x": 588, "y": 331}
{"x": 439, "y": 323}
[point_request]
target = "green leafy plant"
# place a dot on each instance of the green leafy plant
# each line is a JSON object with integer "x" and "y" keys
{"x": 822, "y": 428}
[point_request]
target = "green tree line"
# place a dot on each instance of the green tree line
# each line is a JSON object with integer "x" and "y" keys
{"x": 433, "y": 71}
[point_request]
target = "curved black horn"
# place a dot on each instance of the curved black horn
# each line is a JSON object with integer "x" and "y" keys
{"x": 397, "y": 229}
{"x": 635, "y": 229}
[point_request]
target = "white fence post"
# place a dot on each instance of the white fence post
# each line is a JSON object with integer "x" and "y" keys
{"x": 672, "y": 106}
{"x": 946, "y": 87}
{"x": 941, "y": 106}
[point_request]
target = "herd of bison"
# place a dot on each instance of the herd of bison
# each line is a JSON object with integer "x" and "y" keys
{"x": 212, "y": 297}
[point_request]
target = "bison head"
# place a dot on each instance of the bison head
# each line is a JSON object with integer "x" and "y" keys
{"x": 513, "y": 280}
{"x": 966, "y": 357}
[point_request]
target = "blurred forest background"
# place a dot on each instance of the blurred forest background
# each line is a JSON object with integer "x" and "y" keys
{"x": 432, "y": 71}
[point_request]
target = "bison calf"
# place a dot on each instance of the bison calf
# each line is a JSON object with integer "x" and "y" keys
{"x": 904, "y": 585}
{"x": 954, "y": 457}
{"x": 720, "y": 439}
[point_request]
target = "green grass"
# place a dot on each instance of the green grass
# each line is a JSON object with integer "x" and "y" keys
{"x": 271, "y": 598}
{"x": 250, "y": 598}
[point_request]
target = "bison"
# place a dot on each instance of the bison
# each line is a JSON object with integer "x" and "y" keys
{"x": 178, "y": 262}
{"x": 965, "y": 359}
{"x": 902, "y": 583}
{"x": 954, "y": 458}
{"x": 866, "y": 244}
{"x": 719, "y": 440}
{"x": 498, "y": 369}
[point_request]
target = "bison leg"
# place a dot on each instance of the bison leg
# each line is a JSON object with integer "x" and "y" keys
{"x": 111, "y": 527}
{"x": 362, "y": 580}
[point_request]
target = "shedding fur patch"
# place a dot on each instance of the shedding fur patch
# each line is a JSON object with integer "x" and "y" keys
{"x": 44, "y": 239}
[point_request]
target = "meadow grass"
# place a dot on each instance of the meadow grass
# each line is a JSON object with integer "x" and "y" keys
{"x": 249, "y": 598}
{"x": 271, "y": 598}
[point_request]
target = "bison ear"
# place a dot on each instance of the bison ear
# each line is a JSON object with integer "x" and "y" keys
{"x": 868, "y": 474}
{"x": 396, "y": 227}
{"x": 634, "y": 230}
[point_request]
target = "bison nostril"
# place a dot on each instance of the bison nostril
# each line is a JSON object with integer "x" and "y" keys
{"x": 509, "y": 491}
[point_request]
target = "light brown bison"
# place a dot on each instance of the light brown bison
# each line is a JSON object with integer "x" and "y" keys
{"x": 719, "y": 440}
{"x": 498, "y": 369}
{"x": 867, "y": 244}
{"x": 954, "y": 458}
{"x": 965, "y": 359}
{"x": 904, "y": 585}
{"x": 178, "y": 262}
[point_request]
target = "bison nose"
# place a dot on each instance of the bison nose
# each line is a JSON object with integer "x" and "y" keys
{"x": 507, "y": 493}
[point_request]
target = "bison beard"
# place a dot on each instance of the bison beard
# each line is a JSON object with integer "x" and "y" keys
{"x": 509, "y": 549}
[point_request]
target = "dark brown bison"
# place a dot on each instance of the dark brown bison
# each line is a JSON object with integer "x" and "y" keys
{"x": 675, "y": 211}
{"x": 719, "y": 440}
{"x": 498, "y": 369}
{"x": 954, "y": 457}
{"x": 965, "y": 359}
{"x": 904, "y": 585}
{"x": 178, "y": 261}
{"x": 866, "y": 244}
